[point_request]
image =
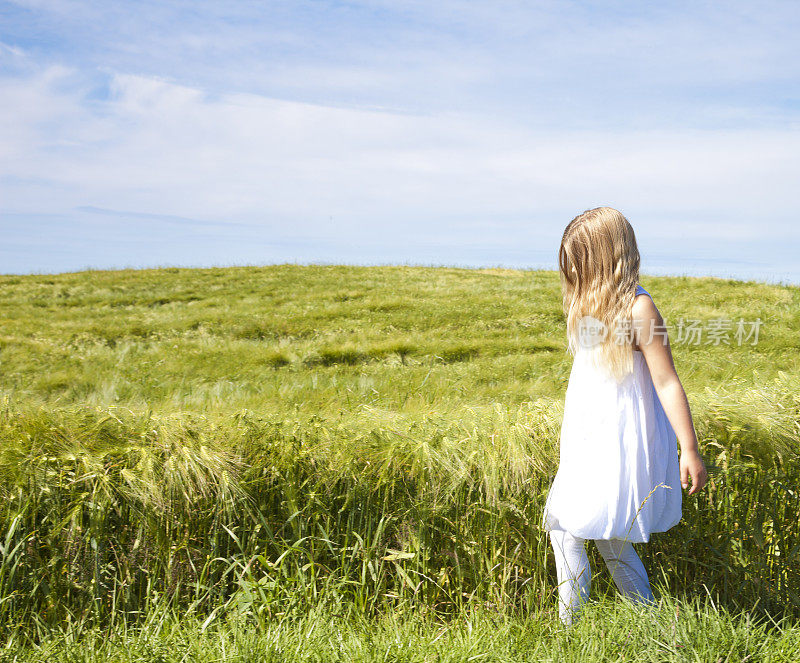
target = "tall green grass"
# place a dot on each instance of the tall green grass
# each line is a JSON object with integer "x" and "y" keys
{"x": 107, "y": 510}
{"x": 244, "y": 444}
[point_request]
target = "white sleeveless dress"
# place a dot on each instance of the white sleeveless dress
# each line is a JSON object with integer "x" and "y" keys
{"x": 616, "y": 448}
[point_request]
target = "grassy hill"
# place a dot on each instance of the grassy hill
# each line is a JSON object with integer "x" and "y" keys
{"x": 327, "y": 339}
{"x": 244, "y": 443}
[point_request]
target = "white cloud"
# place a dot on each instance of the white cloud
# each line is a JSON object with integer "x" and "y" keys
{"x": 157, "y": 147}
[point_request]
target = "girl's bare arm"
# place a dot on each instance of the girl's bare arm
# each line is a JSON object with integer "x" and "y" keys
{"x": 650, "y": 337}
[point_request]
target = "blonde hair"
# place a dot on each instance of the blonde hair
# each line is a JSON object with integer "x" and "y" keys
{"x": 599, "y": 268}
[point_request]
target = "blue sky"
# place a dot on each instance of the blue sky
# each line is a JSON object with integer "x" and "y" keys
{"x": 468, "y": 133}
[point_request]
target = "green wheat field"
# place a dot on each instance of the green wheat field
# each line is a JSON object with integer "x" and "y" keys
{"x": 334, "y": 463}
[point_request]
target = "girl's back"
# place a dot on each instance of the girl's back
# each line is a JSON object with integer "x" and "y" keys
{"x": 618, "y": 476}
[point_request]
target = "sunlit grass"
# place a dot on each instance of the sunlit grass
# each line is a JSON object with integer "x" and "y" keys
{"x": 609, "y": 630}
{"x": 240, "y": 443}
{"x": 323, "y": 338}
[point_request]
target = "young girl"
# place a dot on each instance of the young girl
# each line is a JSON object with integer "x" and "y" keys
{"x": 618, "y": 476}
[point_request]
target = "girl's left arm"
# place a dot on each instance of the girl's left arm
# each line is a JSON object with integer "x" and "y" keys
{"x": 651, "y": 339}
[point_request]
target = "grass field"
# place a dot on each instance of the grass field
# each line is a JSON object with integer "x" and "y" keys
{"x": 349, "y": 463}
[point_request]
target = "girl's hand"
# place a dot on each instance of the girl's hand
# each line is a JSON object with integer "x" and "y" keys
{"x": 692, "y": 464}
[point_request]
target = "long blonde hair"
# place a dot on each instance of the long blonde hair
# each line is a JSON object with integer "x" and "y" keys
{"x": 599, "y": 268}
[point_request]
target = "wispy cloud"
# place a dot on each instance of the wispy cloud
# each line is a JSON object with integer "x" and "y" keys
{"x": 159, "y": 218}
{"x": 596, "y": 63}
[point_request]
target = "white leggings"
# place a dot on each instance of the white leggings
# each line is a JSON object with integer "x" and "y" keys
{"x": 574, "y": 572}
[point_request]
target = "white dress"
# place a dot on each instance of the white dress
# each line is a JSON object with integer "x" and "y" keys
{"x": 616, "y": 448}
